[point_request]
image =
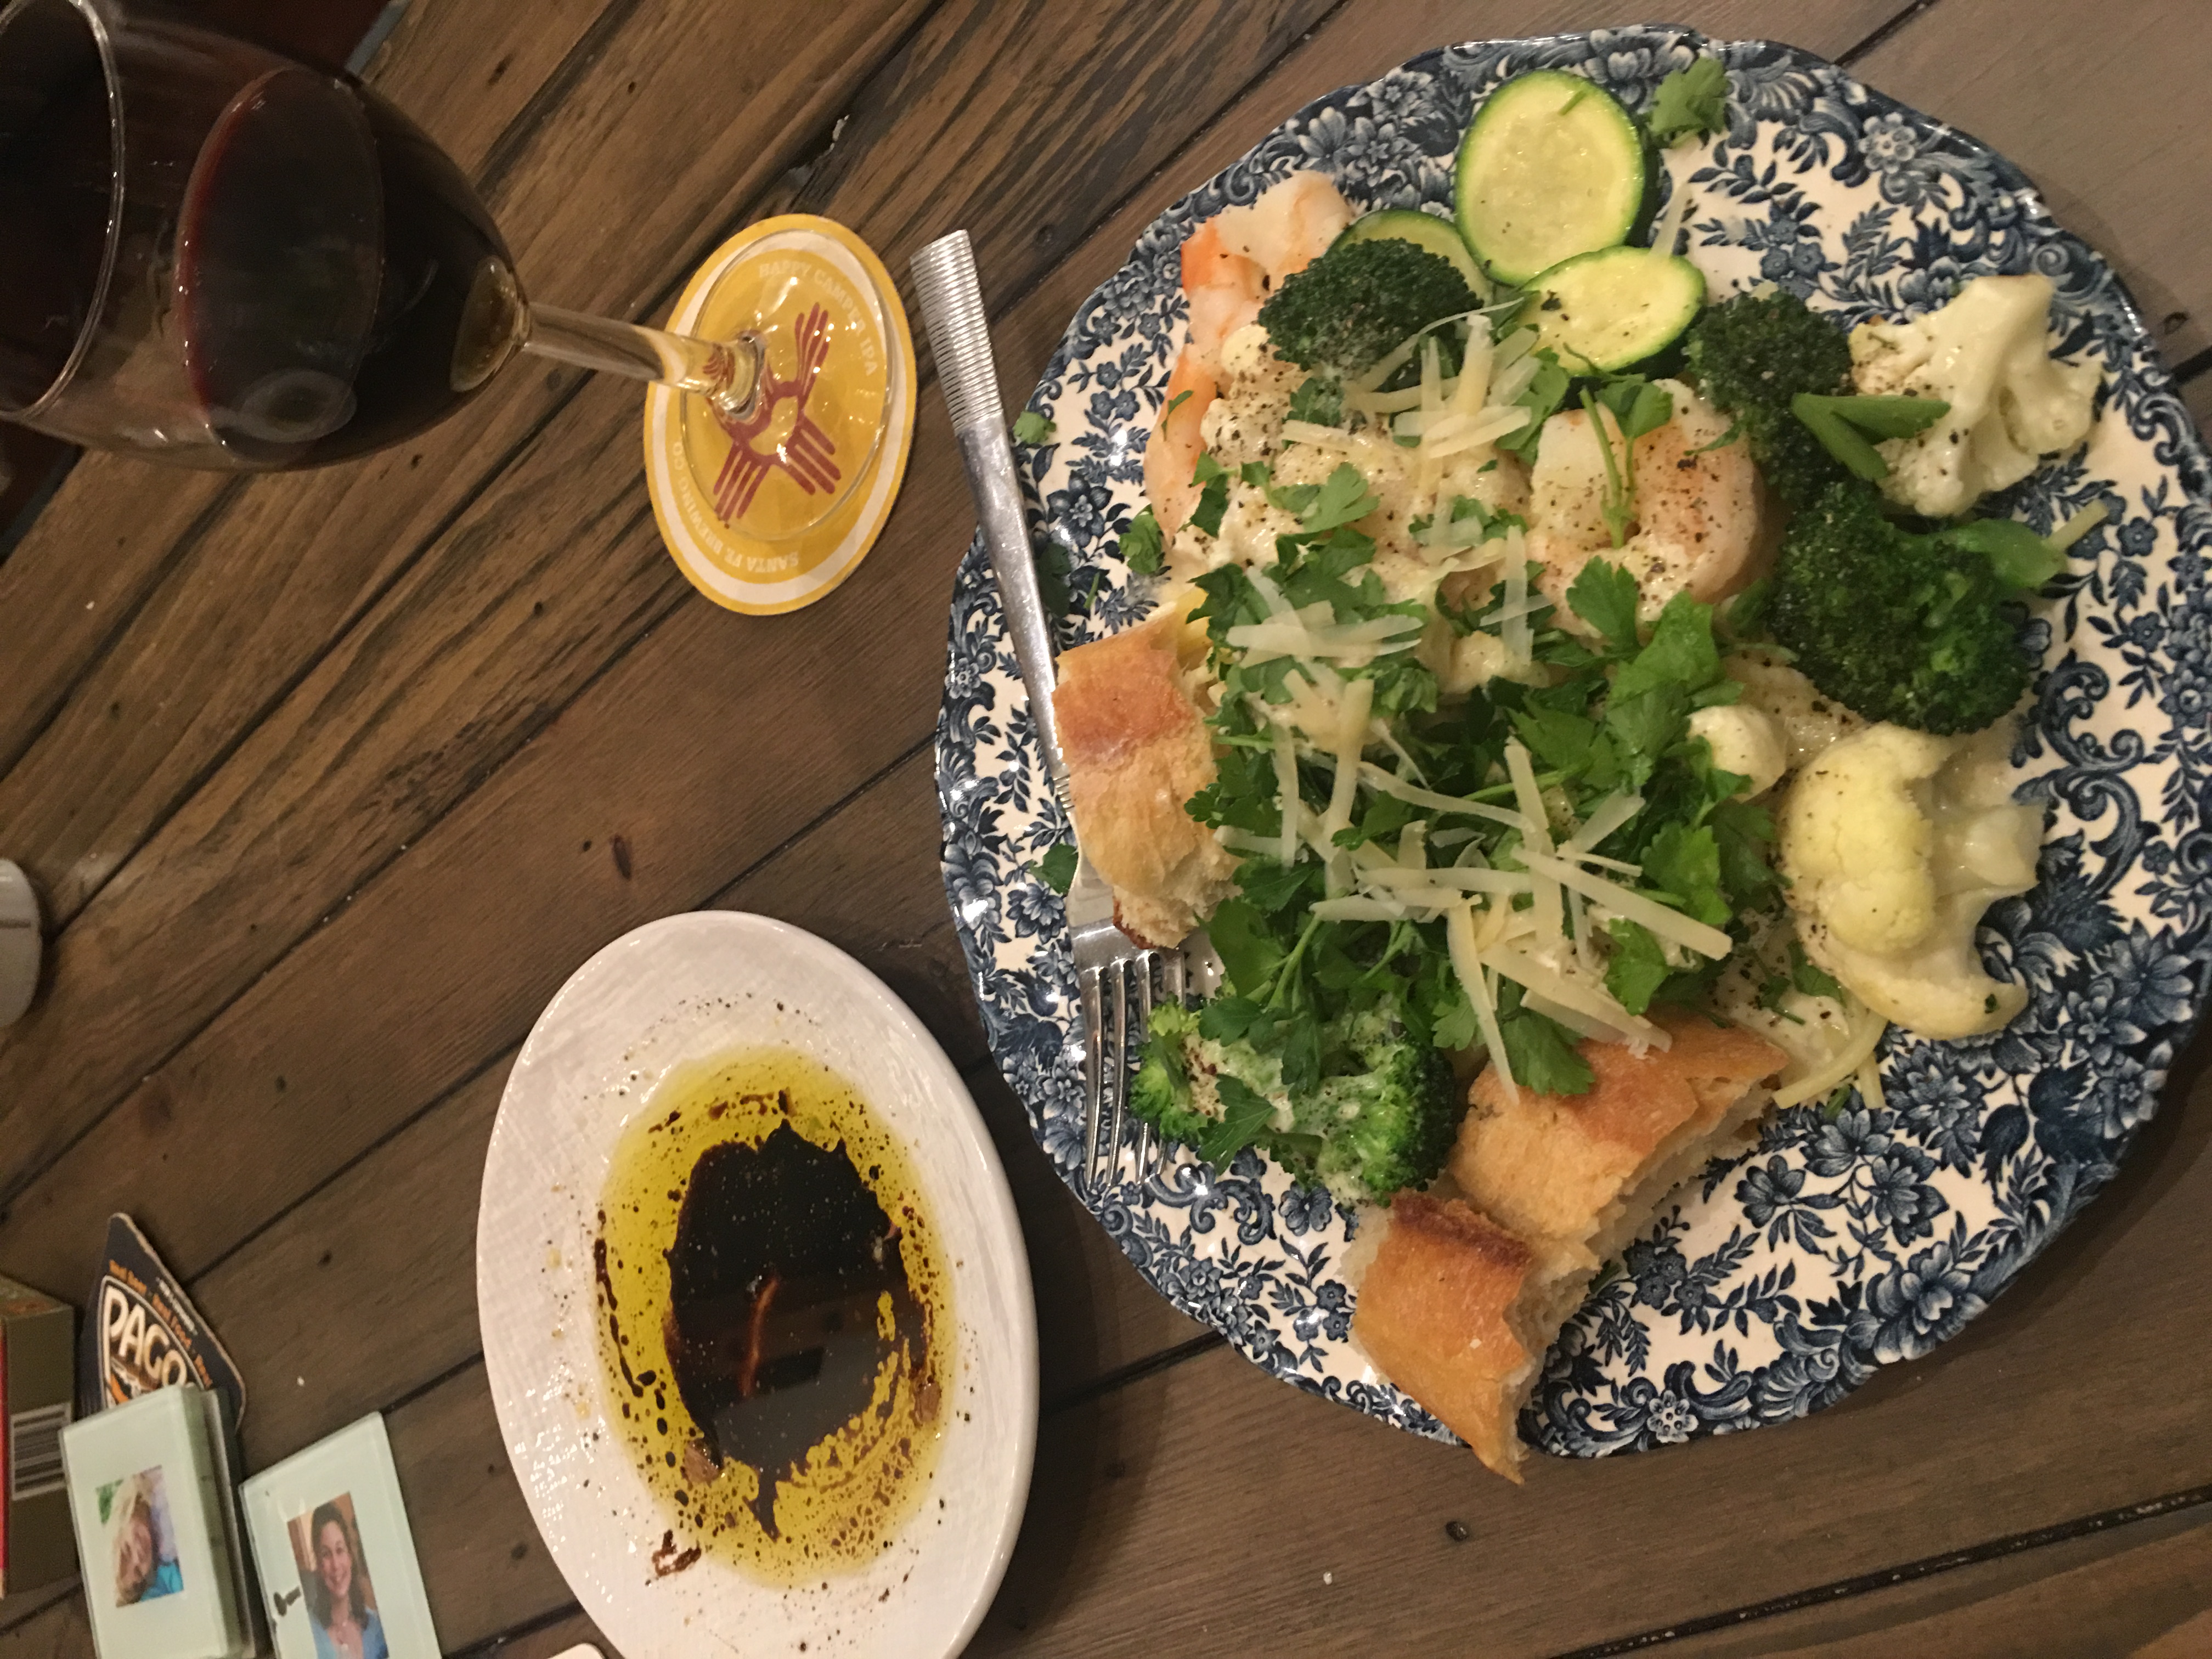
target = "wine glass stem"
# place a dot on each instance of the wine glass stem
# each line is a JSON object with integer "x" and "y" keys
{"x": 726, "y": 373}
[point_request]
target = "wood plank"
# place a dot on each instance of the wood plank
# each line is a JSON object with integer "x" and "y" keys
{"x": 115, "y": 527}
{"x": 197, "y": 668}
{"x": 484, "y": 1566}
{"x": 406, "y": 714}
{"x": 468, "y": 654}
{"x": 23, "y": 1605}
{"x": 2127, "y": 1591}
{"x": 2085, "y": 96}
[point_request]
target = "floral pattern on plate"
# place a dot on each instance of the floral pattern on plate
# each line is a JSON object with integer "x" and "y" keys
{"x": 1779, "y": 1280}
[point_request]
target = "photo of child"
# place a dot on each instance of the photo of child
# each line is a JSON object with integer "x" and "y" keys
{"x": 334, "y": 1577}
{"x": 142, "y": 1538}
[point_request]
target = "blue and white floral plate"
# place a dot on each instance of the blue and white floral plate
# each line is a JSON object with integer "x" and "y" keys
{"x": 1779, "y": 1281}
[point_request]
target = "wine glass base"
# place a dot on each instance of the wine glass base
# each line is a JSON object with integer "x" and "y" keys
{"x": 769, "y": 513}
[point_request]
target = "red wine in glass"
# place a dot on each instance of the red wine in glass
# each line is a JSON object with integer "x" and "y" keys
{"x": 216, "y": 257}
{"x": 333, "y": 272}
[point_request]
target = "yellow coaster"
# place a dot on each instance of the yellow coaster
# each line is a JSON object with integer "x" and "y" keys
{"x": 738, "y": 508}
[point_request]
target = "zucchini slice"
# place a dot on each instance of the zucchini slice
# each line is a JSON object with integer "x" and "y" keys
{"x": 1551, "y": 166}
{"x": 1423, "y": 230}
{"x": 1607, "y": 311}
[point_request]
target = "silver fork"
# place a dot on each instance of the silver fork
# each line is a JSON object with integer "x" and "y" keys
{"x": 1107, "y": 960}
{"x": 1107, "y": 966}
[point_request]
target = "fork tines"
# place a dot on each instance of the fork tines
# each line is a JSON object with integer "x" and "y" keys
{"x": 1113, "y": 1043}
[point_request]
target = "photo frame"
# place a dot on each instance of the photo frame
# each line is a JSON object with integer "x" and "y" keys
{"x": 150, "y": 1506}
{"x": 335, "y": 1554}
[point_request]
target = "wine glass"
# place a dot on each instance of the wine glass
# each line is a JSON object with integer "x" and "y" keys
{"x": 216, "y": 257}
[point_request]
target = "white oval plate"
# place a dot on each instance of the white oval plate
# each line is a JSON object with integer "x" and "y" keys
{"x": 689, "y": 987}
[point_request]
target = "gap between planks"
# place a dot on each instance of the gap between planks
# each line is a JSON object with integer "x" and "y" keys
{"x": 1995, "y": 1549}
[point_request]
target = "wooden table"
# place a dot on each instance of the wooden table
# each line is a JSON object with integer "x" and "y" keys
{"x": 329, "y": 782}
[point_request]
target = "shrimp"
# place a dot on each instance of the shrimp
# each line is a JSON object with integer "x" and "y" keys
{"x": 1698, "y": 527}
{"x": 1230, "y": 264}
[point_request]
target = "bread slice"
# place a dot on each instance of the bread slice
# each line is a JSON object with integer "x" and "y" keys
{"x": 1137, "y": 750}
{"x": 1441, "y": 1314}
{"x": 1569, "y": 1179}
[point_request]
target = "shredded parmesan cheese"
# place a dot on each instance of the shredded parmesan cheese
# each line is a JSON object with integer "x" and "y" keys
{"x": 1383, "y": 783}
{"x": 1666, "y": 922}
{"x": 1867, "y": 1027}
{"x": 1286, "y": 788}
{"x": 1357, "y": 699}
{"x": 1466, "y": 964}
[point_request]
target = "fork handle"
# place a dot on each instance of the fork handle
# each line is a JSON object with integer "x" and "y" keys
{"x": 990, "y": 462}
{"x": 960, "y": 340}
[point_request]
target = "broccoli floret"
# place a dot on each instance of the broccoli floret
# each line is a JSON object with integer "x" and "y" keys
{"x": 1358, "y": 301}
{"x": 1750, "y": 355}
{"x": 1385, "y": 1121}
{"x": 1161, "y": 1092}
{"x": 1911, "y": 630}
{"x": 1391, "y": 1125}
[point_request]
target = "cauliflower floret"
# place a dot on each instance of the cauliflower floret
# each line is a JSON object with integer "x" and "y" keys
{"x": 1746, "y": 740}
{"x": 1987, "y": 355}
{"x": 1894, "y": 842}
{"x": 1808, "y": 721}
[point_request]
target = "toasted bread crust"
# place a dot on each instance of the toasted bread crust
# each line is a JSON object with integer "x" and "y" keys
{"x": 1137, "y": 751}
{"x": 1547, "y": 1166}
{"x": 1433, "y": 1314}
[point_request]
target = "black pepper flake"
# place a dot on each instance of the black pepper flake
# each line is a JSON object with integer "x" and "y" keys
{"x": 1456, "y": 1531}
{"x": 619, "y": 845}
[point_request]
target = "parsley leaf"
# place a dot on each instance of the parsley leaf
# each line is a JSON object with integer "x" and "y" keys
{"x": 1245, "y": 1113}
{"x": 1637, "y": 407}
{"x": 1271, "y": 885}
{"x": 1343, "y": 497}
{"x": 1301, "y": 1057}
{"x": 1743, "y": 832}
{"x": 1454, "y": 1025}
{"x": 1056, "y": 869}
{"x": 1176, "y": 402}
{"x": 1771, "y": 990}
{"x": 1032, "y": 428}
{"x": 1685, "y": 864}
{"x": 1226, "y": 1018}
{"x": 1681, "y": 651}
{"x": 1319, "y": 399}
{"x": 1545, "y": 393}
{"x": 1561, "y": 740}
{"x": 1809, "y": 978}
{"x": 1638, "y": 967}
{"x": 1142, "y": 544}
{"x": 1693, "y": 98}
{"x": 1249, "y": 954}
{"x": 1604, "y": 596}
{"x": 1213, "y": 499}
{"x": 1542, "y": 1055}
{"x": 1643, "y": 726}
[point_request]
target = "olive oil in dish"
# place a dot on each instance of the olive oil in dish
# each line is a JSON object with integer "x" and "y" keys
{"x": 774, "y": 1319}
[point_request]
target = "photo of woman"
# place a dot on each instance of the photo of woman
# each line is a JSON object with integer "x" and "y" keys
{"x": 136, "y": 1513}
{"x": 341, "y": 1600}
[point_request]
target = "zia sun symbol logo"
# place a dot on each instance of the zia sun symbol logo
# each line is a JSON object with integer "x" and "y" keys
{"x": 780, "y": 435}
